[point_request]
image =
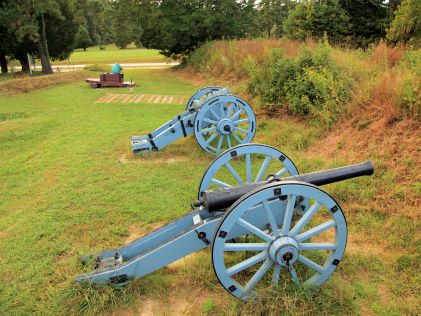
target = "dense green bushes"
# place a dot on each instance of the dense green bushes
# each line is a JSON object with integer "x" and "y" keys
{"x": 310, "y": 84}
{"x": 304, "y": 79}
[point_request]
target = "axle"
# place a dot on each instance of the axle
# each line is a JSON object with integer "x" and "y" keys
{"x": 224, "y": 198}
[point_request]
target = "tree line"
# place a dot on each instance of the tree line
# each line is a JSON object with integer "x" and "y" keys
{"x": 52, "y": 29}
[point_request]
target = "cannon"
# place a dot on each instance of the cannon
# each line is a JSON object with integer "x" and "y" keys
{"x": 218, "y": 119}
{"x": 262, "y": 219}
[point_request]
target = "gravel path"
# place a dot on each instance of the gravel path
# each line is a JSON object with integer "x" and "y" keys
{"x": 69, "y": 67}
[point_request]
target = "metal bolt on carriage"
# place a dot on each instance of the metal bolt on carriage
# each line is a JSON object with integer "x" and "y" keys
{"x": 218, "y": 119}
{"x": 262, "y": 220}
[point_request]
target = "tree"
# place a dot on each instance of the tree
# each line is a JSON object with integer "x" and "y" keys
{"x": 126, "y": 21}
{"x": 83, "y": 40}
{"x": 177, "y": 27}
{"x": 14, "y": 42}
{"x": 4, "y": 49}
{"x": 14, "y": 47}
{"x": 92, "y": 14}
{"x": 300, "y": 21}
{"x": 315, "y": 18}
{"x": 47, "y": 25}
{"x": 61, "y": 31}
{"x": 406, "y": 27}
{"x": 3, "y": 63}
{"x": 272, "y": 14}
{"x": 368, "y": 18}
{"x": 265, "y": 17}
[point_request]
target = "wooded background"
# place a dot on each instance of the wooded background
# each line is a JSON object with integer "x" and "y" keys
{"x": 52, "y": 29}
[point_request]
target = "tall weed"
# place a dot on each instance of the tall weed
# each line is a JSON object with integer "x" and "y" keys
{"x": 229, "y": 58}
{"x": 410, "y": 93}
{"x": 395, "y": 82}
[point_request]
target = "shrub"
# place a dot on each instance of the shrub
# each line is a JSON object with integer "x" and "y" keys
{"x": 410, "y": 95}
{"x": 98, "y": 67}
{"x": 412, "y": 60}
{"x": 310, "y": 84}
{"x": 409, "y": 98}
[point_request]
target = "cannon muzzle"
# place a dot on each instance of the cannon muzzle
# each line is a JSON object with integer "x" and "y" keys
{"x": 224, "y": 198}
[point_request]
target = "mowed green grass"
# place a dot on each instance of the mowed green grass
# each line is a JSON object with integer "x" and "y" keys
{"x": 65, "y": 193}
{"x": 112, "y": 54}
{"x": 70, "y": 186}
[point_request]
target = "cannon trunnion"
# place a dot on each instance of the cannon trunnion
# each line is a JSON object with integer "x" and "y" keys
{"x": 261, "y": 218}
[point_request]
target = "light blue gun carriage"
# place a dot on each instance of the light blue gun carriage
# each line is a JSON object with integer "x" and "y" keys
{"x": 218, "y": 119}
{"x": 263, "y": 221}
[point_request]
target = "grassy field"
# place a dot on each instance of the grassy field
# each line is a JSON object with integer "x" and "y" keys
{"x": 109, "y": 55}
{"x": 112, "y": 54}
{"x": 70, "y": 186}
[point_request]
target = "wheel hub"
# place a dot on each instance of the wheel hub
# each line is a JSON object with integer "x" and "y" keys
{"x": 225, "y": 126}
{"x": 284, "y": 250}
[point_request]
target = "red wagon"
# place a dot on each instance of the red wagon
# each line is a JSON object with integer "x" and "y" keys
{"x": 109, "y": 80}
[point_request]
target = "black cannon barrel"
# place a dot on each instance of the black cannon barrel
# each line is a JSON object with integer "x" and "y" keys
{"x": 224, "y": 198}
{"x": 335, "y": 175}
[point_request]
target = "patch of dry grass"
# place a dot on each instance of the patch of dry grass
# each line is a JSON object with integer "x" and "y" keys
{"x": 386, "y": 56}
{"x": 26, "y": 84}
{"x": 232, "y": 59}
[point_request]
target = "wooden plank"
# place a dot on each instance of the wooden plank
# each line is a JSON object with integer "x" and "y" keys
{"x": 142, "y": 98}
